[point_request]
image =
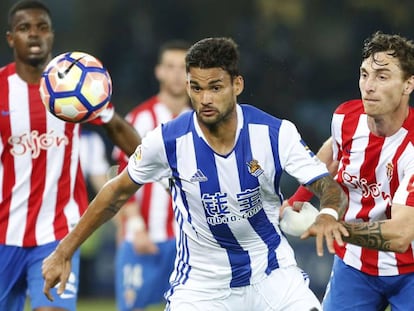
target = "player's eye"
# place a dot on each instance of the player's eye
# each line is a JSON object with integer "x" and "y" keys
{"x": 44, "y": 27}
{"x": 22, "y": 27}
{"x": 382, "y": 77}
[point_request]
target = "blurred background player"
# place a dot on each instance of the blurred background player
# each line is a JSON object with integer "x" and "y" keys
{"x": 145, "y": 256}
{"x": 93, "y": 158}
{"x": 43, "y": 191}
{"x": 95, "y": 167}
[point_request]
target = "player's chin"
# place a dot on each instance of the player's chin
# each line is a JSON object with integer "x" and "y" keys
{"x": 35, "y": 60}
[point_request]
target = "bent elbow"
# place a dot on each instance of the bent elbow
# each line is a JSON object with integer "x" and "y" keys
{"x": 401, "y": 245}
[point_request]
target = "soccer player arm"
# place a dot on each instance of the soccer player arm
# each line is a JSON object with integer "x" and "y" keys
{"x": 56, "y": 267}
{"x": 395, "y": 234}
{"x": 333, "y": 202}
{"x": 122, "y": 134}
{"x": 302, "y": 164}
{"x": 97, "y": 181}
{"x": 325, "y": 154}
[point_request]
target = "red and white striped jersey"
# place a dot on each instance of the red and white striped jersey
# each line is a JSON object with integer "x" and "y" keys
{"x": 375, "y": 172}
{"x": 153, "y": 199}
{"x": 43, "y": 193}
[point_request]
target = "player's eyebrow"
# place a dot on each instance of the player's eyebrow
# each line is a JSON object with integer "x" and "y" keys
{"x": 376, "y": 70}
{"x": 209, "y": 83}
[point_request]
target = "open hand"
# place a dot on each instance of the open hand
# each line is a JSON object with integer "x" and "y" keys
{"x": 326, "y": 227}
{"x": 55, "y": 270}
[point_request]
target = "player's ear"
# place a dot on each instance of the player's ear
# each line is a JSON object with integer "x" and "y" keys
{"x": 238, "y": 85}
{"x": 9, "y": 38}
{"x": 409, "y": 85}
{"x": 188, "y": 86}
{"x": 157, "y": 72}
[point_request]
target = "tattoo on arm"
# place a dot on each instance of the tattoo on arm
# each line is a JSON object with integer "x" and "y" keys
{"x": 330, "y": 194}
{"x": 113, "y": 209}
{"x": 367, "y": 234}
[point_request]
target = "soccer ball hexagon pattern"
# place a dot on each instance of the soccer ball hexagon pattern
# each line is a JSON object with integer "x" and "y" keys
{"x": 75, "y": 87}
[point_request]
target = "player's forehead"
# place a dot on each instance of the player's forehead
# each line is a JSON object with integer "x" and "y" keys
{"x": 206, "y": 76}
{"x": 30, "y": 16}
{"x": 173, "y": 55}
{"x": 381, "y": 61}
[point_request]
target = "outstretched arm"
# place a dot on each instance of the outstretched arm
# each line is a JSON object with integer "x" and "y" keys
{"x": 395, "y": 234}
{"x": 56, "y": 267}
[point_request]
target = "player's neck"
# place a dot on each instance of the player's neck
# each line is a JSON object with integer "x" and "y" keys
{"x": 221, "y": 137}
{"x": 28, "y": 73}
{"x": 387, "y": 125}
{"x": 176, "y": 104}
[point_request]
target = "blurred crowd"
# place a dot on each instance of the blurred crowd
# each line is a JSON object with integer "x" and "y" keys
{"x": 299, "y": 57}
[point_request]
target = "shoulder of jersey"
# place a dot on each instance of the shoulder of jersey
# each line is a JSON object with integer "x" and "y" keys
{"x": 349, "y": 106}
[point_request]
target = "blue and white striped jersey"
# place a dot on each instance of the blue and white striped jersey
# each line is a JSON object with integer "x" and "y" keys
{"x": 227, "y": 207}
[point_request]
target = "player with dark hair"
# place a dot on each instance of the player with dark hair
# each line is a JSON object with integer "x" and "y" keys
{"x": 371, "y": 153}
{"x": 43, "y": 192}
{"x": 225, "y": 162}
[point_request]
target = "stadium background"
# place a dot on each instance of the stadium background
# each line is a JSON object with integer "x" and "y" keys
{"x": 300, "y": 58}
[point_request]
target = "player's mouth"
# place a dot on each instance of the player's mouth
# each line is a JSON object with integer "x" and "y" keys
{"x": 370, "y": 100}
{"x": 35, "y": 48}
{"x": 208, "y": 112}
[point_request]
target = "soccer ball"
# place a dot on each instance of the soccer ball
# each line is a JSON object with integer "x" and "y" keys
{"x": 75, "y": 87}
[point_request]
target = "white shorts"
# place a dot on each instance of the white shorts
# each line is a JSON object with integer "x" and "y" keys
{"x": 284, "y": 289}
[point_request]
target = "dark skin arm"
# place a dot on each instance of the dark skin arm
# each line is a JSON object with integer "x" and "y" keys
{"x": 56, "y": 267}
{"x": 330, "y": 195}
{"x": 122, "y": 134}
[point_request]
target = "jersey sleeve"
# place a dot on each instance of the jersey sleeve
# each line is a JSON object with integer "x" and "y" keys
{"x": 105, "y": 116}
{"x": 405, "y": 191}
{"x": 149, "y": 162}
{"x": 299, "y": 161}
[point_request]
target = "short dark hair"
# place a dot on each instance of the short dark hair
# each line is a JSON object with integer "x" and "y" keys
{"x": 214, "y": 53}
{"x": 25, "y": 5}
{"x": 396, "y": 46}
{"x": 171, "y": 45}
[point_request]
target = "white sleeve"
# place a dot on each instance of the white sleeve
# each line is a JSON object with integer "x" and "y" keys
{"x": 149, "y": 162}
{"x": 296, "y": 157}
{"x": 107, "y": 114}
{"x": 93, "y": 154}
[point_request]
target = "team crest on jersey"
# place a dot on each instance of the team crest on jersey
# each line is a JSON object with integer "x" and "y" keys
{"x": 254, "y": 168}
{"x": 390, "y": 170}
{"x": 137, "y": 154}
